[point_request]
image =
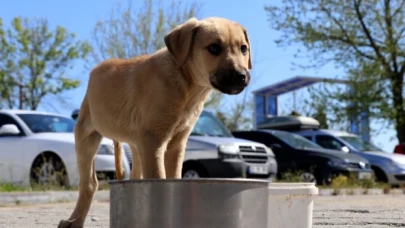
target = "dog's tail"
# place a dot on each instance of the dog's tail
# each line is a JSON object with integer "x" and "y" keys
{"x": 118, "y": 160}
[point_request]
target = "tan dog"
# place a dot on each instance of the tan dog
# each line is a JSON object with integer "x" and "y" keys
{"x": 152, "y": 102}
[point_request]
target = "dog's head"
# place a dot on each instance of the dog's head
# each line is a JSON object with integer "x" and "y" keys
{"x": 217, "y": 50}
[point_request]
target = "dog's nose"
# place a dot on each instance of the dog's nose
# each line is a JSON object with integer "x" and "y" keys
{"x": 241, "y": 76}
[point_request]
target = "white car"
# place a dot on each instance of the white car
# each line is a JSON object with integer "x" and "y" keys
{"x": 39, "y": 147}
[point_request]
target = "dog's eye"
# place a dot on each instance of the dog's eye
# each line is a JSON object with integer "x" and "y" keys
{"x": 244, "y": 49}
{"x": 214, "y": 49}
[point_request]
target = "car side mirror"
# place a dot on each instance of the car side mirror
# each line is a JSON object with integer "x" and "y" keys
{"x": 9, "y": 129}
{"x": 275, "y": 146}
{"x": 345, "y": 149}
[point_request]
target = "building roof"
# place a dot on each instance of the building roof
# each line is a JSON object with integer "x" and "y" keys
{"x": 292, "y": 84}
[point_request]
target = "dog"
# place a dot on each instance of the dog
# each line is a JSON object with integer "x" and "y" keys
{"x": 152, "y": 102}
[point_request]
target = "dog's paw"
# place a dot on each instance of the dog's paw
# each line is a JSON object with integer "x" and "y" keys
{"x": 69, "y": 224}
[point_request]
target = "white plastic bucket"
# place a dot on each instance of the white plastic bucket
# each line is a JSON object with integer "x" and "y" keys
{"x": 291, "y": 205}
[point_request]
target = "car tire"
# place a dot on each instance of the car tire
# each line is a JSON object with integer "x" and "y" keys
{"x": 308, "y": 177}
{"x": 379, "y": 175}
{"x": 193, "y": 171}
{"x": 48, "y": 170}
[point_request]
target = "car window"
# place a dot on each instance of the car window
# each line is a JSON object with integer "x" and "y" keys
{"x": 294, "y": 140}
{"x": 209, "y": 125}
{"x": 6, "y": 119}
{"x": 260, "y": 137}
{"x": 360, "y": 144}
{"x": 328, "y": 142}
{"x": 308, "y": 137}
{"x": 39, "y": 123}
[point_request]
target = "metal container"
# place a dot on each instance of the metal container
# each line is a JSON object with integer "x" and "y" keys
{"x": 196, "y": 203}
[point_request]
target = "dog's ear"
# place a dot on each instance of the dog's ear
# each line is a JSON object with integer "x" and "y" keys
{"x": 250, "y": 48}
{"x": 180, "y": 40}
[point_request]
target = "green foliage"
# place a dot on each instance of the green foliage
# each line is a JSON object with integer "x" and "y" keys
{"x": 135, "y": 31}
{"x": 351, "y": 181}
{"x": 33, "y": 61}
{"x": 365, "y": 38}
{"x": 235, "y": 116}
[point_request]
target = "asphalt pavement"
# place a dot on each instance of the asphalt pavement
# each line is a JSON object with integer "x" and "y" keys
{"x": 354, "y": 211}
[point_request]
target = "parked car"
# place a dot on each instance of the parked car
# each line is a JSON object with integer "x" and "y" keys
{"x": 39, "y": 148}
{"x": 388, "y": 167}
{"x": 212, "y": 151}
{"x": 295, "y": 153}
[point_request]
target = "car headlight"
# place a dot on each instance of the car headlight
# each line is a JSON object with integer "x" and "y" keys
{"x": 269, "y": 152}
{"x": 229, "y": 149}
{"x": 105, "y": 150}
{"x": 338, "y": 164}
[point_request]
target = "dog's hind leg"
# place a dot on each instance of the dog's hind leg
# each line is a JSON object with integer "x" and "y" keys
{"x": 119, "y": 170}
{"x": 136, "y": 172}
{"x": 87, "y": 142}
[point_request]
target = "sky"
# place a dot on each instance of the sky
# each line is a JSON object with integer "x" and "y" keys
{"x": 271, "y": 64}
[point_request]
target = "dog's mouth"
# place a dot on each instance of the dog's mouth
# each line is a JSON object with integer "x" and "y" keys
{"x": 226, "y": 89}
{"x": 229, "y": 81}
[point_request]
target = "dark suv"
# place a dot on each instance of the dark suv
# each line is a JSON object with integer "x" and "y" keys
{"x": 295, "y": 153}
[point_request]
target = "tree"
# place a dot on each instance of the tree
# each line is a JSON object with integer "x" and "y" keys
{"x": 136, "y": 31}
{"x": 237, "y": 116}
{"x": 365, "y": 38}
{"x": 34, "y": 60}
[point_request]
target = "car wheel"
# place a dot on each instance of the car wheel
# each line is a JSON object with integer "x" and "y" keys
{"x": 191, "y": 174}
{"x": 49, "y": 170}
{"x": 193, "y": 171}
{"x": 308, "y": 177}
{"x": 379, "y": 175}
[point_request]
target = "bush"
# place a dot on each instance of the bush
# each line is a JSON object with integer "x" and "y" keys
{"x": 352, "y": 181}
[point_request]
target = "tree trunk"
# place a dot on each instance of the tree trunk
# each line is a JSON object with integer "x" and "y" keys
{"x": 398, "y": 101}
{"x": 21, "y": 97}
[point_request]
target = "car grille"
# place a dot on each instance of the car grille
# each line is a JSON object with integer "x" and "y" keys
{"x": 253, "y": 154}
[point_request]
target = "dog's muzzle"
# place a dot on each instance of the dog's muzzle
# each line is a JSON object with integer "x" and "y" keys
{"x": 230, "y": 81}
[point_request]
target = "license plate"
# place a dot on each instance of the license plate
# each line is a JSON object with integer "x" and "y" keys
{"x": 258, "y": 170}
{"x": 364, "y": 175}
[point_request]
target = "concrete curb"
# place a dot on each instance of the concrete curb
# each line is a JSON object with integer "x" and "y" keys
{"x": 7, "y": 198}
{"x": 17, "y": 198}
{"x": 360, "y": 191}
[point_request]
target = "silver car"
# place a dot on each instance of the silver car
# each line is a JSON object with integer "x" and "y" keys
{"x": 387, "y": 167}
{"x": 213, "y": 152}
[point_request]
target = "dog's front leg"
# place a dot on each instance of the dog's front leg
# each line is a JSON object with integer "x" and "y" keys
{"x": 151, "y": 150}
{"x": 174, "y": 155}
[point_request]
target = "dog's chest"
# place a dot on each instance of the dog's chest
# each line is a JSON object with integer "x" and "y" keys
{"x": 187, "y": 120}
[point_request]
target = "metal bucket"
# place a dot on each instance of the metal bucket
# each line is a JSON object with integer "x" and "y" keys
{"x": 193, "y": 203}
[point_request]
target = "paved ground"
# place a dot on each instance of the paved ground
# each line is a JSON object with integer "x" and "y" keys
{"x": 365, "y": 211}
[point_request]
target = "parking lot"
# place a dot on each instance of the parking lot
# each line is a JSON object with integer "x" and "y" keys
{"x": 366, "y": 211}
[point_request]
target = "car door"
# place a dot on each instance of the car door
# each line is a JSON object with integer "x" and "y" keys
{"x": 12, "y": 167}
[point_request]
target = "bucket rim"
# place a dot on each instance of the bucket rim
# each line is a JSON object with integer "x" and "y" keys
{"x": 199, "y": 180}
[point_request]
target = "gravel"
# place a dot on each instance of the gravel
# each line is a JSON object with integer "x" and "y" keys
{"x": 365, "y": 211}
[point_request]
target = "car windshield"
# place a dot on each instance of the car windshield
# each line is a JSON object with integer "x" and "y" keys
{"x": 209, "y": 125}
{"x": 359, "y": 143}
{"x": 39, "y": 123}
{"x": 294, "y": 140}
